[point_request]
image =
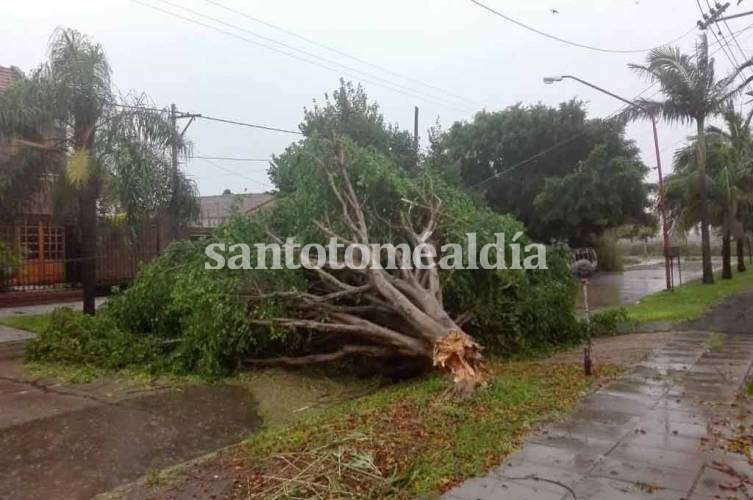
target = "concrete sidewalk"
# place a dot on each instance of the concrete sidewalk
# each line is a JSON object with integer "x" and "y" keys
{"x": 657, "y": 433}
{"x": 65, "y": 441}
{"x": 46, "y": 308}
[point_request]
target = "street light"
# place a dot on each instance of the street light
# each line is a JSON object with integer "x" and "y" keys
{"x": 662, "y": 200}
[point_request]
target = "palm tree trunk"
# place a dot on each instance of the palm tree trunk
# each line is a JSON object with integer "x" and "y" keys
{"x": 87, "y": 202}
{"x": 740, "y": 243}
{"x": 87, "y": 222}
{"x": 708, "y": 272}
{"x": 727, "y": 255}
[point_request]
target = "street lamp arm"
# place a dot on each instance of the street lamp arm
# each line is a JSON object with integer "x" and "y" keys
{"x": 605, "y": 91}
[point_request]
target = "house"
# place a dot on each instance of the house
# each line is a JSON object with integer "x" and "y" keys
{"x": 40, "y": 247}
{"x": 214, "y": 210}
{"x": 41, "y": 243}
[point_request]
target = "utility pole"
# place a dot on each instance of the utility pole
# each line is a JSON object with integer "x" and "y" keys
{"x": 174, "y": 221}
{"x": 415, "y": 132}
{"x": 415, "y": 128}
{"x": 173, "y": 215}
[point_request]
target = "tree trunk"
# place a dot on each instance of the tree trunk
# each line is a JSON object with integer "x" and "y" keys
{"x": 708, "y": 271}
{"x": 88, "y": 231}
{"x": 88, "y": 194}
{"x": 740, "y": 243}
{"x": 726, "y": 255}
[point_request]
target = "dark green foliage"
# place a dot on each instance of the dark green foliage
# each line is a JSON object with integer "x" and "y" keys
{"x": 606, "y": 322}
{"x": 74, "y": 338}
{"x": 203, "y": 319}
{"x": 509, "y": 144}
{"x": 207, "y": 321}
{"x": 600, "y": 193}
{"x": 10, "y": 260}
{"x": 608, "y": 253}
{"x": 348, "y": 113}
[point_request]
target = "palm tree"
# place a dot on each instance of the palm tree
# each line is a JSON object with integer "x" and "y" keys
{"x": 65, "y": 116}
{"x": 692, "y": 94}
{"x": 730, "y": 179}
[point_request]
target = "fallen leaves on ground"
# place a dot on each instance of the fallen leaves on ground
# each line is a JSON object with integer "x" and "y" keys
{"x": 411, "y": 439}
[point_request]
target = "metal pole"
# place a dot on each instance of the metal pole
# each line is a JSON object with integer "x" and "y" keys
{"x": 662, "y": 205}
{"x": 587, "y": 363}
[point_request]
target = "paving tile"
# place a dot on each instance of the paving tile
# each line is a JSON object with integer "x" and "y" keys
{"x": 713, "y": 482}
{"x": 639, "y": 472}
{"x": 652, "y": 455}
{"x": 517, "y": 491}
{"x": 493, "y": 488}
{"x": 664, "y": 440}
{"x": 577, "y": 461}
{"x": 598, "y": 488}
{"x": 625, "y": 388}
{"x": 476, "y": 488}
{"x": 589, "y": 429}
{"x": 541, "y": 476}
{"x": 604, "y": 416}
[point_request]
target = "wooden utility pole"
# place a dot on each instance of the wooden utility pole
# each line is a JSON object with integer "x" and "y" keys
{"x": 173, "y": 215}
{"x": 174, "y": 219}
{"x": 415, "y": 128}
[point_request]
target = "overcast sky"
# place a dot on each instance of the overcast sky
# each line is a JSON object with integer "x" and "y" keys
{"x": 479, "y": 59}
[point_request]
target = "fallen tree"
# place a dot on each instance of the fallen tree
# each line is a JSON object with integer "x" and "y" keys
{"x": 381, "y": 312}
{"x": 186, "y": 318}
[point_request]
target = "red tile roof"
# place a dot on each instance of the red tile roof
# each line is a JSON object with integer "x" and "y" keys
{"x": 6, "y": 75}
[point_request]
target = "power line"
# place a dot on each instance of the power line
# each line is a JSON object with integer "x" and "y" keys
{"x": 212, "y": 118}
{"x": 389, "y": 85}
{"x": 567, "y": 141}
{"x": 732, "y": 34}
{"x": 342, "y": 53}
{"x": 251, "y": 125}
{"x": 237, "y": 174}
{"x": 231, "y": 158}
{"x": 723, "y": 42}
{"x": 571, "y": 43}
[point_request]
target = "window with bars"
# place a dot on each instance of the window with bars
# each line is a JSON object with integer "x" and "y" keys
{"x": 28, "y": 240}
{"x": 42, "y": 242}
{"x": 54, "y": 243}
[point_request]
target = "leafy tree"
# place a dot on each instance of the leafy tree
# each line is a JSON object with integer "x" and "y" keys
{"x": 600, "y": 193}
{"x": 65, "y": 117}
{"x": 348, "y": 113}
{"x": 692, "y": 94}
{"x": 509, "y": 154}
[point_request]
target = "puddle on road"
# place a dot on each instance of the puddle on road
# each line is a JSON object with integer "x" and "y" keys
{"x": 80, "y": 454}
{"x": 619, "y": 289}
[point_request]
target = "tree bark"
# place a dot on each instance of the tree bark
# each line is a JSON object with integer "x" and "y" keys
{"x": 88, "y": 231}
{"x": 726, "y": 255}
{"x": 87, "y": 219}
{"x": 740, "y": 243}
{"x": 708, "y": 271}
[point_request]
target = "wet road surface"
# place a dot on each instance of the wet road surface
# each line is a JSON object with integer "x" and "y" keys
{"x": 71, "y": 442}
{"x": 627, "y": 287}
{"x": 659, "y": 432}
